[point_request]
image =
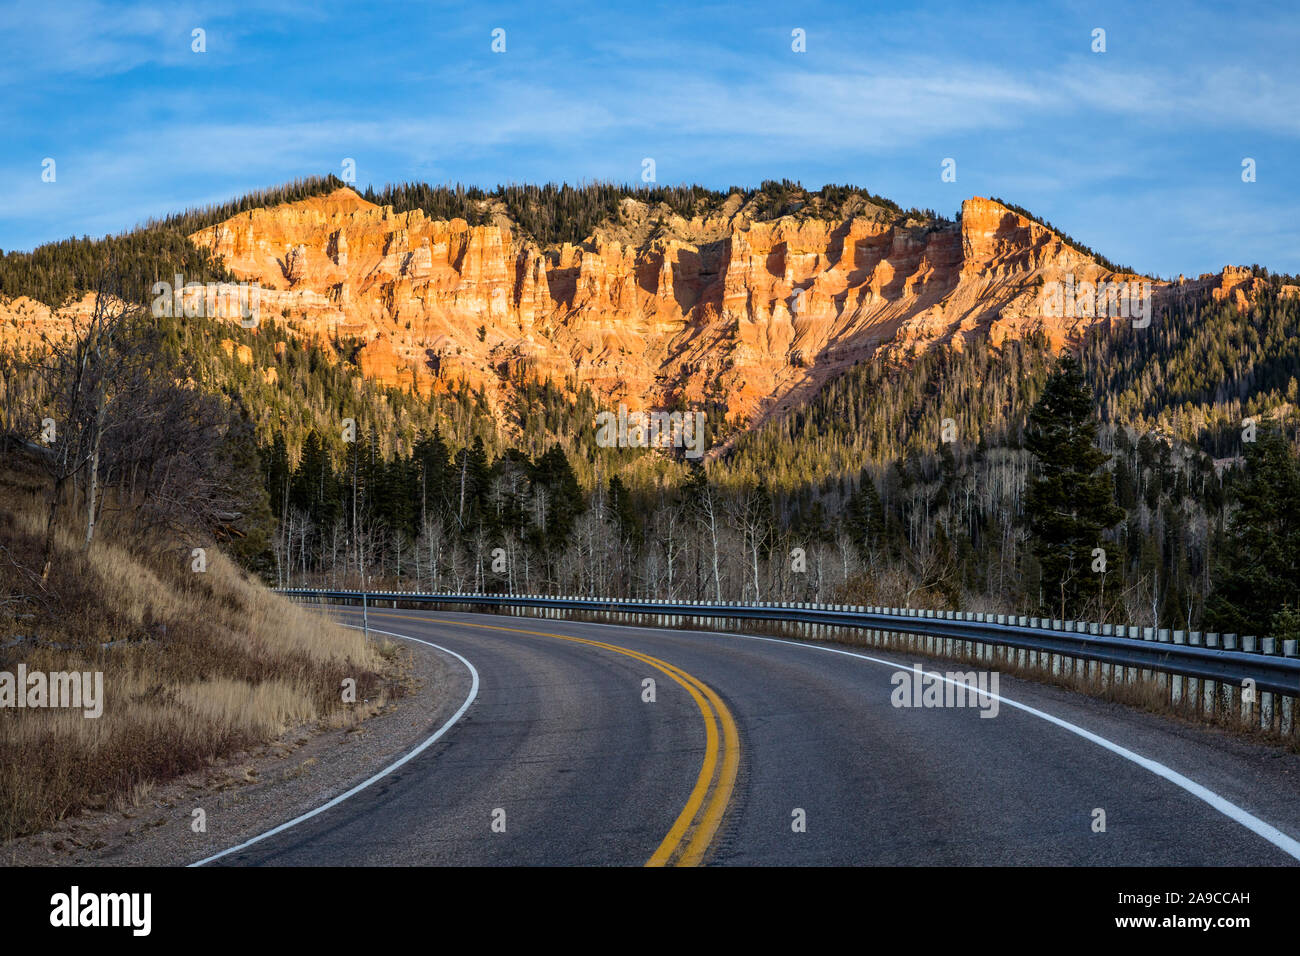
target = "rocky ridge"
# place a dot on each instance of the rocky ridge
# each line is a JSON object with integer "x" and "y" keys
{"x": 652, "y": 309}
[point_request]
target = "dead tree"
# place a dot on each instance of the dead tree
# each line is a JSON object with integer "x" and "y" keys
{"x": 78, "y": 378}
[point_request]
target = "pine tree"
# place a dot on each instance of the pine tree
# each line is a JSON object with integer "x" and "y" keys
{"x": 434, "y": 475}
{"x": 1070, "y": 502}
{"x": 278, "y": 473}
{"x": 1260, "y": 575}
{"x": 864, "y": 517}
{"x": 553, "y": 473}
{"x": 623, "y": 512}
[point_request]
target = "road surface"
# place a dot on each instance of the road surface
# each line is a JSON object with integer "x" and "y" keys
{"x": 755, "y": 751}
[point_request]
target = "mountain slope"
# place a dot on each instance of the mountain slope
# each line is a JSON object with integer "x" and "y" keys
{"x": 751, "y": 305}
{"x": 757, "y": 313}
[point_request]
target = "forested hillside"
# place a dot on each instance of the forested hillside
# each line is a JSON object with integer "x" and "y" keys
{"x": 860, "y": 487}
{"x": 137, "y": 258}
{"x": 903, "y": 482}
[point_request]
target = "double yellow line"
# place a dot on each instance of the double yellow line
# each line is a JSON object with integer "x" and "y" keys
{"x": 693, "y": 831}
{"x": 697, "y": 821}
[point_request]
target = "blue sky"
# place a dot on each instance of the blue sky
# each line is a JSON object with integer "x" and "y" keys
{"x": 1136, "y": 152}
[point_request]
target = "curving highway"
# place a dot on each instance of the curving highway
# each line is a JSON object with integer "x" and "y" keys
{"x": 753, "y": 751}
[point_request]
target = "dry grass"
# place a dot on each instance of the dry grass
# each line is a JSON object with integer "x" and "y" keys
{"x": 196, "y": 666}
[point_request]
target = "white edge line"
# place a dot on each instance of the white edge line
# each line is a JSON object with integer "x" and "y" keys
{"x": 1267, "y": 831}
{"x": 473, "y": 693}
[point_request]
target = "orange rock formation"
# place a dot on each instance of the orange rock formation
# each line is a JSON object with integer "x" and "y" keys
{"x": 759, "y": 313}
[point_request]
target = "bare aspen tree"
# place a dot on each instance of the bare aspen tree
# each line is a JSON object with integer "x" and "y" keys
{"x": 79, "y": 377}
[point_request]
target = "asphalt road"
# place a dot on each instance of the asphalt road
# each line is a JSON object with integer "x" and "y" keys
{"x": 561, "y": 760}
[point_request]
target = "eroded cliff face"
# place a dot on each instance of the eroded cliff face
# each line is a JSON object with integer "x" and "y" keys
{"x": 756, "y": 313}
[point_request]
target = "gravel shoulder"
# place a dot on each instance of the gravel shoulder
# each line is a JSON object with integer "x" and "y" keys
{"x": 254, "y": 791}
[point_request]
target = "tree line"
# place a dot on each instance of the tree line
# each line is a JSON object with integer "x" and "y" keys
{"x": 550, "y": 214}
{"x": 898, "y": 483}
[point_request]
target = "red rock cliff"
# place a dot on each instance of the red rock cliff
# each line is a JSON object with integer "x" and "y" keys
{"x": 759, "y": 312}
{"x": 762, "y": 312}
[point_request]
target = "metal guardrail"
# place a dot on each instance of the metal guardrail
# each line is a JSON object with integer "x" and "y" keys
{"x": 1186, "y": 654}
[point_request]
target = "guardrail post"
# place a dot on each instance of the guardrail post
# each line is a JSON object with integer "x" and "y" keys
{"x": 1289, "y": 649}
{"x": 1143, "y": 674}
{"x": 1247, "y": 709}
{"x": 1219, "y": 698}
{"x": 1054, "y": 659}
{"x": 1177, "y": 680}
{"x": 1267, "y": 645}
{"x": 1078, "y": 628}
{"x": 1053, "y": 662}
{"x": 1208, "y": 687}
{"x": 1163, "y": 681}
{"x": 1092, "y": 669}
{"x": 1106, "y": 670}
{"x": 1158, "y": 635}
{"x": 1193, "y": 692}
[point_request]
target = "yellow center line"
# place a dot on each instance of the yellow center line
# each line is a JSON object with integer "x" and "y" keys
{"x": 711, "y": 708}
{"x": 708, "y": 828}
